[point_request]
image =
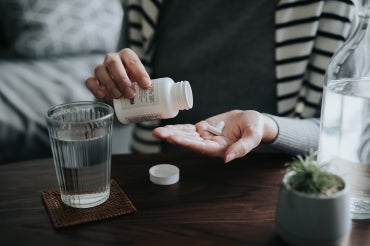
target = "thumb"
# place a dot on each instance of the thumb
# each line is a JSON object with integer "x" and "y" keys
{"x": 240, "y": 148}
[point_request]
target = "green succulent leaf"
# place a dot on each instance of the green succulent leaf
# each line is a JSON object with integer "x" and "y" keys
{"x": 311, "y": 177}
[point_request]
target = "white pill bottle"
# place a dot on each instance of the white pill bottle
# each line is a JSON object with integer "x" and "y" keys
{"x": 162, "y": 101}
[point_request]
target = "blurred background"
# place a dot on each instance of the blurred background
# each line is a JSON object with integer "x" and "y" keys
{"x": 47, "y": 51}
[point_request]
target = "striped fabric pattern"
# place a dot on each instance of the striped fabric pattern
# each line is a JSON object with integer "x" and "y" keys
{"x": 307, "y": 35}
{"x": 308, "y": 32}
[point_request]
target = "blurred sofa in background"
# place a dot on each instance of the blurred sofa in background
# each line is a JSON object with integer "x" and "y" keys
{"x": 47, "y": 50}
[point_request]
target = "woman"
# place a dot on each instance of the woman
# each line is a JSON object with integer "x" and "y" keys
{"x": 262, "y": 55}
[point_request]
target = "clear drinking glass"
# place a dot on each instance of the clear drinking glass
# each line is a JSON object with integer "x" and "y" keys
{"x": 81, "y": 141}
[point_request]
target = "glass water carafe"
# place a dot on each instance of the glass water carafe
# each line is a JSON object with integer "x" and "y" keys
{"x": 345, "y": 116}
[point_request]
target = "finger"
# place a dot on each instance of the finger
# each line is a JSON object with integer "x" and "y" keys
{"x": 162, "y": 132}
{"x": 96, "y": 89}
{"x": 189, "y": 130}
{"x": 240, "y": 148}
{"x": 118, "y": 72}
{"x": 173, "y": 135}
{"x": 197, "y": 144}
{"x": 135, "y": 68}
{"x": 185, "y": 127}
{"x": 179, "y": 130}
{"x": 106, "y": 80}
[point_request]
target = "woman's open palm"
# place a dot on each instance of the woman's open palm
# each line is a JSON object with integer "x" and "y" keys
{"x": 243, "y": 131}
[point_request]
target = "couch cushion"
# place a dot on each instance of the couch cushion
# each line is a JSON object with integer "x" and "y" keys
{"x": 28, "y": 87}
{"x": 39, "y": 28}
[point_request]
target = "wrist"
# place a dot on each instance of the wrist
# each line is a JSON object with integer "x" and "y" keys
{"x": 270, "y": 129}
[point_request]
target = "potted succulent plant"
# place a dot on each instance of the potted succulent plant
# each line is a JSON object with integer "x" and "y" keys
{"x": 313, "y": 205}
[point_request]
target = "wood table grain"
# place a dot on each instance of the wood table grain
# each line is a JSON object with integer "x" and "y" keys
{"x": 212, "y": 204}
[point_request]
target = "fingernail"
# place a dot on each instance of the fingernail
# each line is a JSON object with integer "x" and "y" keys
{"x": 230, "y": 157}
{"x": 148, "y": 83}
{"x": 100, "y": 94}
{"x": 117, "y": 93}
{"x": 130, "y": 93}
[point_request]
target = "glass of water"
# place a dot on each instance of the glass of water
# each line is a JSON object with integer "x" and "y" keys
{"x": 81, "y": 141}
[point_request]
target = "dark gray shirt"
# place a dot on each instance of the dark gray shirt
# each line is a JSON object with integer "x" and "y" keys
{"x": 225, "y": 49}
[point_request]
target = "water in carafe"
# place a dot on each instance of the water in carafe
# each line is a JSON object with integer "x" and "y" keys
{"x": 345, "y": 116}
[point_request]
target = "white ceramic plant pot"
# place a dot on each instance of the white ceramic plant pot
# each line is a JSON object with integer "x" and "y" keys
{"x": 304, "y": 219}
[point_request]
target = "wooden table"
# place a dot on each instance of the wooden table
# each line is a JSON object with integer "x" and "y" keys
{"x": 212, "y": 204}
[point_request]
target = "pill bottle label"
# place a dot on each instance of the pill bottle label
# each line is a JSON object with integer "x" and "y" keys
{"x": 142, "y": 98}
{"x": 141, "y": 118}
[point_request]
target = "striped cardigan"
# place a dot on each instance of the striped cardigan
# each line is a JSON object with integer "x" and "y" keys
{"x": 307, "y": 34}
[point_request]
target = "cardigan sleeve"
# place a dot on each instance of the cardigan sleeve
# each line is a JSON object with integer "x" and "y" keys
{"x": 297, "y": 136}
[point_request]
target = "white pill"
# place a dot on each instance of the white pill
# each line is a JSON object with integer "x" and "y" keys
{"x": 216, "y": 130}
{"x": 220, "y": 125}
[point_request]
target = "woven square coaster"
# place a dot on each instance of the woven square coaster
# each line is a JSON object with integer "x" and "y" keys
{"x": 62, "y": 215}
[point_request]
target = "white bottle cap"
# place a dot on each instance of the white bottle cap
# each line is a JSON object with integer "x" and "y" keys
{"x": 183, "y": 95}
{"x": 164, "y": 174}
